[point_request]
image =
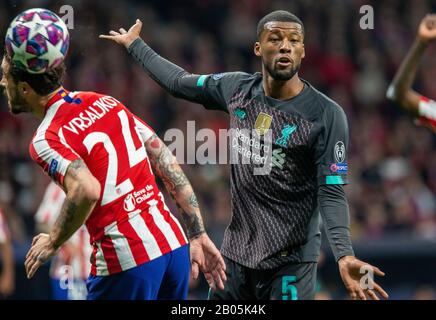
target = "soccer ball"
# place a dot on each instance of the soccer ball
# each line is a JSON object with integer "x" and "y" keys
{"x": 37, "y": 40}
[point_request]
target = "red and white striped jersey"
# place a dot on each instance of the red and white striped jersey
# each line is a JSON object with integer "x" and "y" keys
{"x": 4, "y": 231}
{"x": 427, "y": 113}
{"x": 130, "y": 224}
{"x": 76, "y": 251}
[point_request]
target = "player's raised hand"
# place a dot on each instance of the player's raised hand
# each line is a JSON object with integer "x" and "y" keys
{"x": 352, "y": 271}
{"x": 124, "y": 37}
{"x": 40, "y": 252}
{"x": 205, "y": 257}
{"x": 427, "y": 28}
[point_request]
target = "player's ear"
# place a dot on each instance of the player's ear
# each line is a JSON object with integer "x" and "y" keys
{"x": 257, "y": 49}
{"x": 24, "y": 88}
{"x": 304, "y": 52}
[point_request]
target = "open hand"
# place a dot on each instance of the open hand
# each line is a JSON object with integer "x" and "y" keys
{"x": 205, "y": 257}
{"x": 124, "y": 37}
{"x": 351, "y": 269}
{"x": 40, "y": 252}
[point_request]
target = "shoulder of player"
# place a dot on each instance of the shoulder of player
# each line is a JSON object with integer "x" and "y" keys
{"x": 86, "y": 96}
{"x": 81, "y": 99}
{"x": 58, "y": 115}
{"x": 329, "y": 108}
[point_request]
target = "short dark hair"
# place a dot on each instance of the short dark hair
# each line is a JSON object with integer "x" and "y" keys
{"x": 42, "y": 83}
{"x": 279, "y": 15}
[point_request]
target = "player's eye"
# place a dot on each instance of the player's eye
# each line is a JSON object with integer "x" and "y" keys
{"x": 294, "y": 40}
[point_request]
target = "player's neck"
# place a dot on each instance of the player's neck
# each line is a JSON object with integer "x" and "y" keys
{"x": 39, "y": 106}
{"x": 282, "y": 90}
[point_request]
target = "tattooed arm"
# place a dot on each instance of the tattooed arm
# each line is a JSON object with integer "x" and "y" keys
{"x": 205, "y": 257}
{"x": 166, "y": 167}
{"x": 83, "y": 191}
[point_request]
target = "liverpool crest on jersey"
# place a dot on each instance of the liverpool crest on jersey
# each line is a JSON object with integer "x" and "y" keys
{"x": 286, "y": 134}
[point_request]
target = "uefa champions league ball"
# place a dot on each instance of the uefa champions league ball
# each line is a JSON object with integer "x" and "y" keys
{"x": 37, "y": 40}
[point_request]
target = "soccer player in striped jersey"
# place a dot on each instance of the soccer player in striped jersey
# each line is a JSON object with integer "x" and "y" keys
{"x": 400, "y": 90}
{"x": 7, "y": 274}
{"x": 70, "y": 267}
{"x": 105, "y": 159}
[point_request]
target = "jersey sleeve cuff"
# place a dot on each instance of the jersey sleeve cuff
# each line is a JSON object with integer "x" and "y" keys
{"x": 333, "y": 180}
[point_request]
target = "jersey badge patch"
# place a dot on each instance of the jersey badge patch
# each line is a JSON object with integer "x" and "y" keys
{"x": 218, "y": 76}
{"x": 263, "y": 123}
{"x": 339, "y": 152}
{"x": 241, "y": 114}
{"x": 52, "y": 168}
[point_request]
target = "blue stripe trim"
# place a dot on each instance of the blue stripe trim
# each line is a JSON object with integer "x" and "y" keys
{"x": 200, "y": 81}
{"x": 334, "y": 180}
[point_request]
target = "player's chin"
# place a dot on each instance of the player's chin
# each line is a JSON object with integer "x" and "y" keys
{"x": 283, "y": 75}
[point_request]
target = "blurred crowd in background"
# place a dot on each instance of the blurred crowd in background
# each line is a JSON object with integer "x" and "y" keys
{"x": 391, "y": 160}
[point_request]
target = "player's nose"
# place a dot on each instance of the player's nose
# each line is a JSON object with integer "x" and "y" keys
{"x": 285, "y": 46}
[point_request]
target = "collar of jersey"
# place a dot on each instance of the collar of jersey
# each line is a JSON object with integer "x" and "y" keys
{"x": 61, "y": 94}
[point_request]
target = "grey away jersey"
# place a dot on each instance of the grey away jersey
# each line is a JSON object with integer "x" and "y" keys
{"x": 275, "y": 216}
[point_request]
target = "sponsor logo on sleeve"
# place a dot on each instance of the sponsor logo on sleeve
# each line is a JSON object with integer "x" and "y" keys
{"x": 339, "y": 168}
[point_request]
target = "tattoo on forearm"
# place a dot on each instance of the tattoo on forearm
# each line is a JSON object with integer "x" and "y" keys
{"x": 194, "y": 225}
{"x": 70, "y": 217}
{"x": 163, "y": 162}
{"x": 64, "y": 222}
{"x": 193, "y": 200}
{"x": 177, "y": 184}
{"x": 173, "y": 174}
{"x": 78, "y": 164}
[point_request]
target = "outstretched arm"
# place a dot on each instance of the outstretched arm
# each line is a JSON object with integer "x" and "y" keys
{"x": 171, "y": 77}
{"x": 83, "y": 191}
{"x": 400, "y": 89}
{"x": 212, "y": 91}
{"x": 204, "y": 255}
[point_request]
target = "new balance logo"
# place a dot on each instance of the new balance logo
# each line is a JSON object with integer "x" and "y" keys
{"x": 278, "y": 158}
